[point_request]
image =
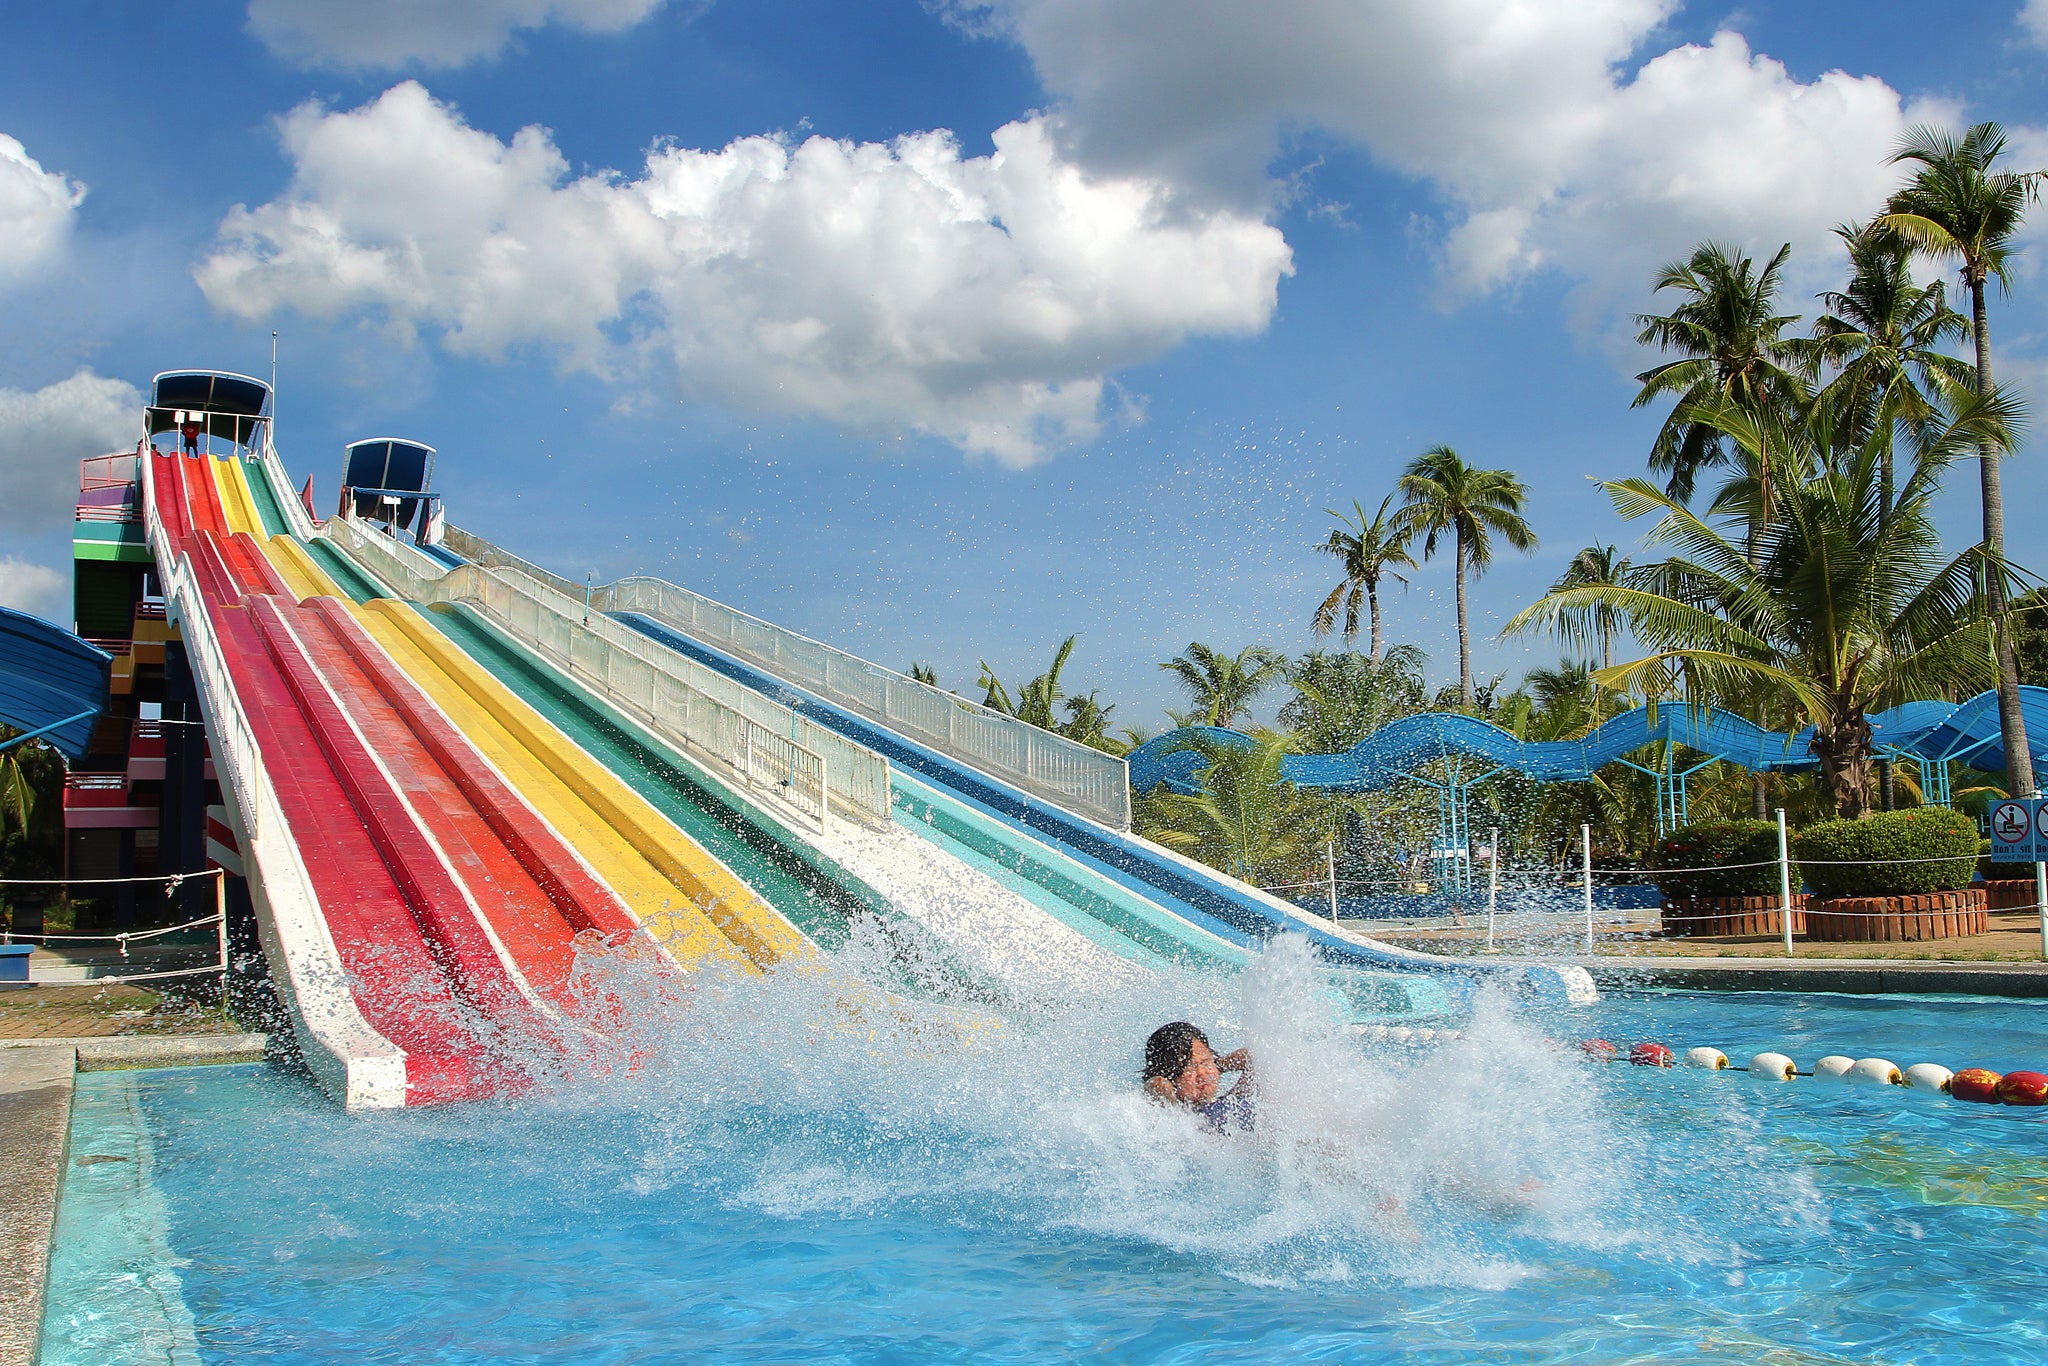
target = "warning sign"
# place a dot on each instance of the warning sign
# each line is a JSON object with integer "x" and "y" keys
{"x": 2016, "y": 831}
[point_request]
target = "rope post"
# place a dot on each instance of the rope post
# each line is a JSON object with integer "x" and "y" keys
{"x": 1330, "y": 856}
{"x": 220, "y": 909}
{"x": 1586, "y": 864}
{"x": 1492, "y": 882}
{"x": 1784, "y": 882}
{"x": 2041, "y": 902}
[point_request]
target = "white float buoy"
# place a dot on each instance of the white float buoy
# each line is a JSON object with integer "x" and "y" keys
{"x": 1773, "y": 1067}
{"x": 1876, "y": 1072}
{"x": 1929, "y": 1076}
{"x": 1833, "y": 1067}
{"x": 1713, "y": 1059}
{"x": 1400, "y": 1033}
{"x": 1425, "y": 1035}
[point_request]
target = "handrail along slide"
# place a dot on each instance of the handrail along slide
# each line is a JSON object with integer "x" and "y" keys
{"x": 1065, "y": 772}
{"x": 761, "y": 742}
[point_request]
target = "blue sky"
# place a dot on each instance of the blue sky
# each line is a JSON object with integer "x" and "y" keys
{"x": 1185, "y": 274}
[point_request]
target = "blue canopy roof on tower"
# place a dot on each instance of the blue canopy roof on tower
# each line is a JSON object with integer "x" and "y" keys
{"x": 387, "y": 465}
{"x": 228, "y": 405}
{"x": 51, "y": 681}
{"x": 1967, "y": 733}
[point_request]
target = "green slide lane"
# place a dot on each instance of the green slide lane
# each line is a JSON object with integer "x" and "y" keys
{"x": 800, "y": 891}
{"x": 342, "y": 570}
{"x": 260, "y": 489}
{"x": 1091, "y": 911}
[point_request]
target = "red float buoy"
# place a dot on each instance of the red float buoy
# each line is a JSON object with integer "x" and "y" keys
{"x": 1650, "y": 1055}
{"x": 1599, "y": 1050}
{"x": 2023, "y": 1088}
{"x": 1976, "y": 1084}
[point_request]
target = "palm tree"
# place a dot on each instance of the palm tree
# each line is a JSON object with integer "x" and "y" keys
{"x": 1369, "y": 551}
{"x": 1727, "y": 335}
{"x": 1596, "y": 565}
{"x": 1247, "y": 820}
{"x": 1443, "y": 495}
{"x": 1035, "y": 702}
{"x": 1339, "y": 699}
{"x": 1957, "y": 208}
{"x": 1849, "y": 609}
{"x": 924, "y": 673}
{"x": 1884, "y": 333}
{"x": 1222, "y": 687}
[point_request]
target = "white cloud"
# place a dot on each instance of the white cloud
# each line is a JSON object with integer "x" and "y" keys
{"x": 374, "y": 34}
{"x": 2034, "y": 22}
{"x": 35, "y": 589}
{"x": 36, "y": 211}
{"x": 1523, "y": 115}
{"x": 45, "y": 432}
{"x": 983, "y": 300}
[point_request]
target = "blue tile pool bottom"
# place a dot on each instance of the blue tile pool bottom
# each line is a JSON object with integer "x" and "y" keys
{"x": 235, "y": 1215}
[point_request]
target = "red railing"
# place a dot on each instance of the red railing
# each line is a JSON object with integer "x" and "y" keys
{"x": 109, "y": 471}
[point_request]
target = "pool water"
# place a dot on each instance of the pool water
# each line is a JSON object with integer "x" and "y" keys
{"x": 771, "y": 1187}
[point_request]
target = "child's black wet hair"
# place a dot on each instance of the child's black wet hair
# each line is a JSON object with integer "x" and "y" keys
{"x": 1170, "y": 1048}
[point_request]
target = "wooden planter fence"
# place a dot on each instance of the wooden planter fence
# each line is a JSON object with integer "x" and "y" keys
{"x": 1899, "y": 919}
{"x": 1698, "y": 916}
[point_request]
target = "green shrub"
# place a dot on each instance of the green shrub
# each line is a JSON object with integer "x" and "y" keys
{"x": 1716, "y": 844}
{"x": 1894, "y": 853}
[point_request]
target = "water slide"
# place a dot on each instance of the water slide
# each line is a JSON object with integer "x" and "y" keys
{"x": 1038, "y": 824}
{"x": 1227, "y": 910}
{"x": 820, "y": 877}
{"x": 1021, "y": 921}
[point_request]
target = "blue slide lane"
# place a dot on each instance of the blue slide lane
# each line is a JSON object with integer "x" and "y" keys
{"x": 1234, "y": 917}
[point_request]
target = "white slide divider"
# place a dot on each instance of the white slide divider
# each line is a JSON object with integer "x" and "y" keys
{"x": 349, "y": 1058}
{"x": 769, "y": 748}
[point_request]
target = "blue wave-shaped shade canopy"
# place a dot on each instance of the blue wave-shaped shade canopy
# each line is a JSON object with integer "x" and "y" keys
{"x": 1967, "y": 733}
{"x": 51, "y": 681}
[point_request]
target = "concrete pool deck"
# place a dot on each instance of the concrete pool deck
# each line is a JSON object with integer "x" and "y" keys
{"x": 35, "y": 1122}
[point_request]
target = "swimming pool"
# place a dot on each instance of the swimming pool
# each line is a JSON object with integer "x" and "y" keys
{"x": 760, "y": 1194}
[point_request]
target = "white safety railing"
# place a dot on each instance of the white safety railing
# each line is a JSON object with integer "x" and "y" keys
{"x": 355, "y": 1061}
{"x": 1066, "y": 772}
{"x": 760, "y": 742}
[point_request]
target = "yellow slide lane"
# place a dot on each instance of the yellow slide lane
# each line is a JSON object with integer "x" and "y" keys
{"x": 235, "y": 499}
{"x": 687, "y": 900}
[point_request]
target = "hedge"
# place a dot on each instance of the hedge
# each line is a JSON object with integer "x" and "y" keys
{"x": 1714, "y": 844}
{"x": 1935, "y": 851}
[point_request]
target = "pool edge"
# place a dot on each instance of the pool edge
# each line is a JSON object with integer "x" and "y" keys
{"x": 35, "y": 1122}
{"x": 1864, "y": 977}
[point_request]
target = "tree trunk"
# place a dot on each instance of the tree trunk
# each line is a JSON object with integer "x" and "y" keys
{"x": 1464, "y": 636}
{"x": 1372, "y": 599}
{"x": 1843, "y": 747}
{"x": 2012, "y": 726}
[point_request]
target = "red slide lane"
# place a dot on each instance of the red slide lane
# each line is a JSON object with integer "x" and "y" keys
{"x": 202, "y": 496}
{"x": 445, "y": 922}
{"x": 570, "y": 900}
{"x": 253, "y": 567}
{"x": 406, "y": 992}
{"x": 403, "y": 991}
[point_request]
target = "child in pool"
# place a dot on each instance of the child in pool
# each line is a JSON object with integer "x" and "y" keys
{"x": 1182, "y": 1069}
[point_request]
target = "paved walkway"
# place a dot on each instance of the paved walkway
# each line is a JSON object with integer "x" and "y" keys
{"x": 35, "y": 1112}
